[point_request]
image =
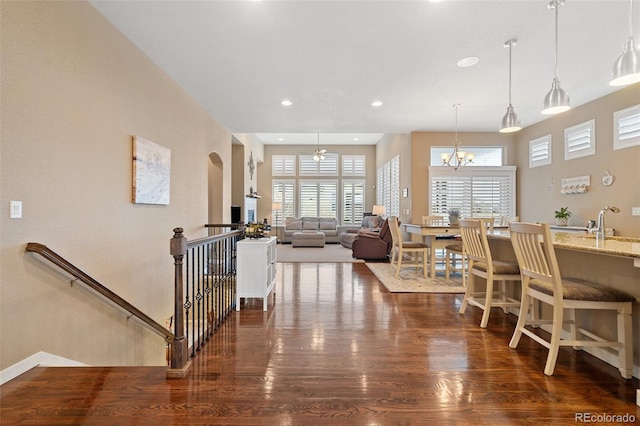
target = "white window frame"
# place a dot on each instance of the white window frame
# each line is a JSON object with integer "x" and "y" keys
{"x": 309, "y": 167}
{"x": 332, "y": 210}
{"x": 505, "y": 207}
{"x": 626, "y": 127}
{"x": 483, "y": 155}
{"x": 580, "y": 140}
{"x": 288, "y": 202}
{"x": 388, "y": 186}
{"x": 352, "y": 207}
{"x": 354, "y": 165}
{"x": 283, "y": 165}
{"x": 540, "y": 151}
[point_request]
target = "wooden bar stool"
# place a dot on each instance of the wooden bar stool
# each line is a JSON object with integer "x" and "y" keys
{"x": 481, "y": 264}
{"x": 541, "y": 281}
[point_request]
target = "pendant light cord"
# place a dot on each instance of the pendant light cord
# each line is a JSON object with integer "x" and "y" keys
{"x": 510, "y": 47}
{"x": 557, "y": 5}
{"x": 630, "y": 18}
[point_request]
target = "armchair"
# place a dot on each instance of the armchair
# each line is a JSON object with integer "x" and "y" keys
{"x": 373, "y": 245}
{"x": 369, "y": 223}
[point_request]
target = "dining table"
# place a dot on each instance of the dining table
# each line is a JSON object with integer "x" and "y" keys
{"x": 429, "y": 233}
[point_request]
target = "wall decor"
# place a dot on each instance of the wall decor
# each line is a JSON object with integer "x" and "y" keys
{"x": 576, "y": 185}
{"x": 251, "y": 165}
{"x": 607, "y": 179}
{"x": 151, "y": 172}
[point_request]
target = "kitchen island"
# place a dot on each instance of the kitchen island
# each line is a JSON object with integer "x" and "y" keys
{"x": 614, "y": 262}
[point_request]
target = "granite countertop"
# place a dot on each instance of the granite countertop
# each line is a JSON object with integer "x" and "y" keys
{"x": 614, "y": 246}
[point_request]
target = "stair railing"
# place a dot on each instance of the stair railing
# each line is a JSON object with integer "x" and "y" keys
{"x": 205, "y": 292}
{"x": 80, "y": 275}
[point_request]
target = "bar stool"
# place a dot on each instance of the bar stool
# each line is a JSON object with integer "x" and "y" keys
{"x": 541, "y": 281}
{"x": 481, "y": 264}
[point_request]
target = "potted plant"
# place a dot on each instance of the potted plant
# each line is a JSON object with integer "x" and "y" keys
{"x": 562, "y": 216}
{"x": 454, "y": 215}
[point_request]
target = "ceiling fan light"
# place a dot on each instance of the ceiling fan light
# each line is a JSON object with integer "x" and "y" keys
{"x": 626, "y": 70}
{"x": 510, "y": 121}
{"x": 557, "y": 100}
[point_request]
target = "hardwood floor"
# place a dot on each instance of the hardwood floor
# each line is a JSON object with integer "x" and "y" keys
{"x": 335, "y": 348}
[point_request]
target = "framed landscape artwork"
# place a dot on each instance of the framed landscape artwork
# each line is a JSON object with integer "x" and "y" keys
{"x": 151, "y": 172}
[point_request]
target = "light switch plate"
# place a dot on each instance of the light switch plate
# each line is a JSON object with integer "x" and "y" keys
{"x": 635, "y": 211}
{"x": 15, "y": 209}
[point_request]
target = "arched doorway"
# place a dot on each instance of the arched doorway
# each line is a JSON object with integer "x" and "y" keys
{"x": 215, "y": 184}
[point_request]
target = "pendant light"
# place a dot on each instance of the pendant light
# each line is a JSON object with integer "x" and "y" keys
{"x": 557, "y": 100}
{"x": 510, "y": 121}
{"x": 318, "y": 155}
{"x": 626, "y": 70}
{"x": 457, "y": 158}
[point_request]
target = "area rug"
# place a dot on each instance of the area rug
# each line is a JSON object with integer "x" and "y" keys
{"x": 330, "y": 253}
{"x": 411, "y": 282}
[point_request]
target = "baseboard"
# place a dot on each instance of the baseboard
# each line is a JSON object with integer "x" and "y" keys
{"x": 38, "y": 359}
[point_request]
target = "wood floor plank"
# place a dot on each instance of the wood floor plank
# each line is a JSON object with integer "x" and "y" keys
{"x": 334, "y": 348}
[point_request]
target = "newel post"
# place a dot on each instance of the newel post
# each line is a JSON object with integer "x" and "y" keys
{"x": 179, "y": 346}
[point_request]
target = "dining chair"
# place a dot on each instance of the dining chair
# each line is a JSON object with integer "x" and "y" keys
{"x": 455, "y": 252}
{"x": 437, "y": 243}
{"x": 541, "y": 280}
{"x": 482, "y": 264}
{"x": 417, "y": 251}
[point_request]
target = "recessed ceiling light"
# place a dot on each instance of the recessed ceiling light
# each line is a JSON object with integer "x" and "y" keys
{"x": 356, "y": 139}
{"x": 376, "y": 104}
{"x": 280, "y": 139}
{"x": 286, "y": 102}
{"x": 469, "y": 61}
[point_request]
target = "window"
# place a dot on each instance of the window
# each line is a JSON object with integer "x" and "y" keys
{"x": 579, "y": 141}
{"x": 388, "y": 186}
{"x": 540, "y": 151}
{"x": 486, "y": 156}
{"x": 318, "y": 198}
{"x": 283, "y": 192}
{"x": 352, "y": 201}
{"x": 626, "y": 128}
{"x": 326, "y": 167}
{"x": 353, "y": 165}
{"x": 476, "y": 192}
{"x": 283, "y": 165}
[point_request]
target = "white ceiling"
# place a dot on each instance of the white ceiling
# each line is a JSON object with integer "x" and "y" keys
{"x": 332, "y": 59}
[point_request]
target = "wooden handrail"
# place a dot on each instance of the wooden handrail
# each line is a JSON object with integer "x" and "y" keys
{"x": 76, "y": 272}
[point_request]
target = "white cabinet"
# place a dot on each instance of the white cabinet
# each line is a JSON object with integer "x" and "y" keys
{"x": 256, "y": 275}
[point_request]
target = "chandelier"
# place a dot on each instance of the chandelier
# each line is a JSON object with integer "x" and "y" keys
{"x": 457, "y": 158}
{"x": 318, "y": 154}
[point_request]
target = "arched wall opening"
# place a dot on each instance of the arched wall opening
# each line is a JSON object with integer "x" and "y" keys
{"x": 215, "y": 184}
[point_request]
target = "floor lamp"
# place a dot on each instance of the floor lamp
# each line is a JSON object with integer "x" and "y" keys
{"x": 275, "y": 208}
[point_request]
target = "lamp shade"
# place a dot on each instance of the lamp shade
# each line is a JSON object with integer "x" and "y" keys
{"x": 626, "y": 70}
{"x": 510, "y": 121}
{"x": 557, "y": 100}
{"x": 379, "y": 210}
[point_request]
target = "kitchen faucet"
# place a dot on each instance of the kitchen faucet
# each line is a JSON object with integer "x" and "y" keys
{"x": 600, "y": 231}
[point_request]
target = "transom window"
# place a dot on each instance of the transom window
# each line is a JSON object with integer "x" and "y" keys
{"x": 486, "y": 156}
{"x": 626, "y": 128}
{"x": 579, "y": 140}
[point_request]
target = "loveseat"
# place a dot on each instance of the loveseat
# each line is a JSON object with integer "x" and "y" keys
{"x": 327, "y": 225}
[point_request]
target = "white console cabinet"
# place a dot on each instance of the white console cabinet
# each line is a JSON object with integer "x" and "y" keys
{"x": 256, "y": 275}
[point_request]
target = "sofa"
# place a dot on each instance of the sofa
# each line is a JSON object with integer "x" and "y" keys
{"x": 369, "y": 224}
{"x": 371, "y": 245}
{"x": 327, "y": 225}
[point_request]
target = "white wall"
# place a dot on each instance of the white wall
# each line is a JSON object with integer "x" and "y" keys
{"x": 74, "y": 91}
